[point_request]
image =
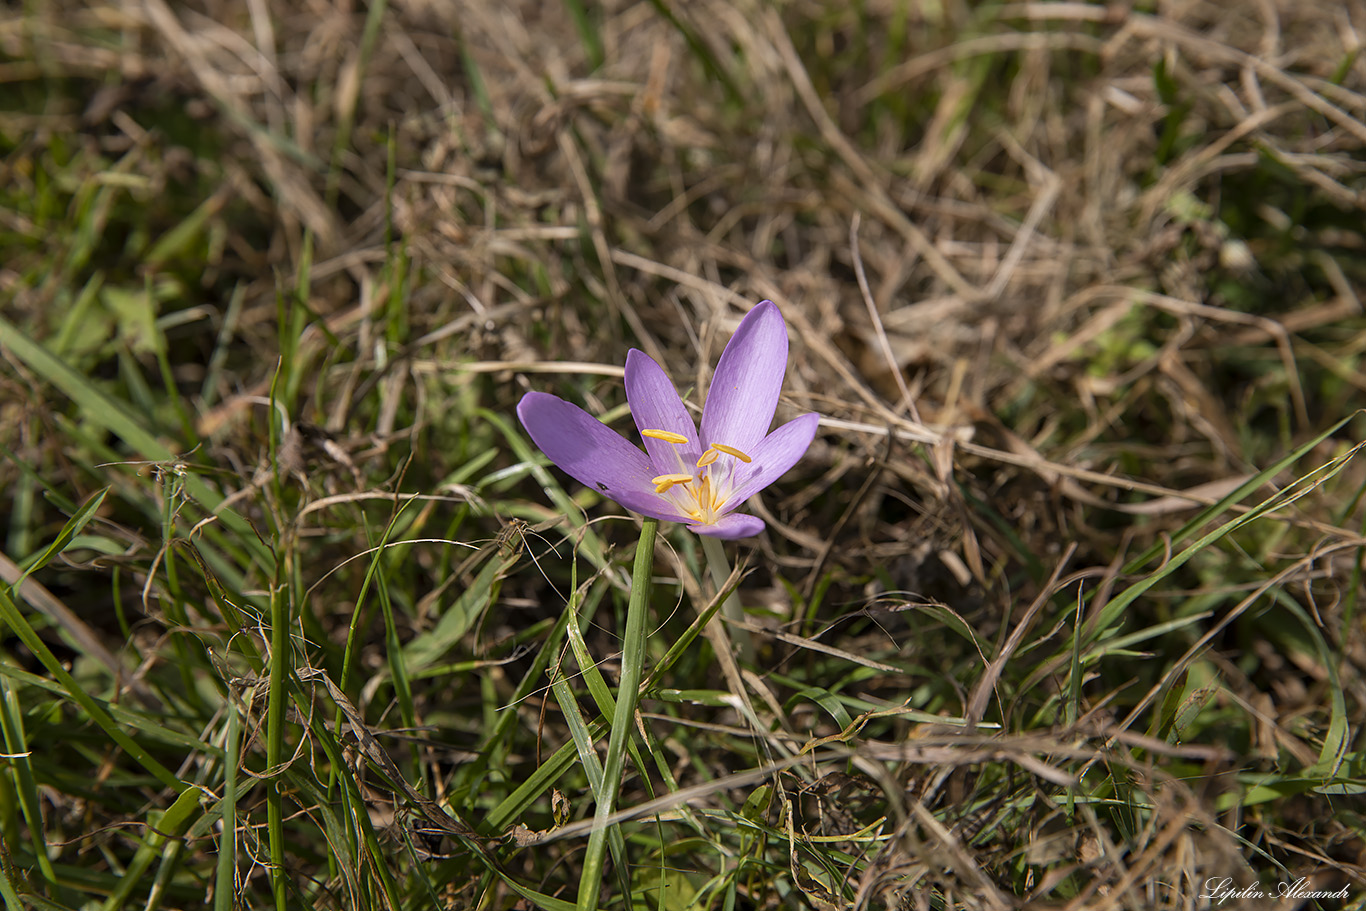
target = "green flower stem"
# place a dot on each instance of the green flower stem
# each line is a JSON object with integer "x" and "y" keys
{"x": 719, "y": 567}
{"x": 623, "y": 719}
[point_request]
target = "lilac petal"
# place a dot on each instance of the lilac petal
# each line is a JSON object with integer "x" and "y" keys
{"x": 733, "y": 525}
{"x": 744, "y": 390}
{"x": 593, "y": 454}
{"x": 778, "y": 452}
{"x": 655, "y": 405}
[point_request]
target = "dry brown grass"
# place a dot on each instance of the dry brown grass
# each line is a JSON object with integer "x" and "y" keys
{"x": 1056, "y": 274}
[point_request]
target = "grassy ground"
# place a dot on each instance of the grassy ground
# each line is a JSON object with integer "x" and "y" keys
{"x": 1062, "y": 608}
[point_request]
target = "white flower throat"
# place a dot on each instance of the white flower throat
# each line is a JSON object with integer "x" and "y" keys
{"x": 702, "y": 492}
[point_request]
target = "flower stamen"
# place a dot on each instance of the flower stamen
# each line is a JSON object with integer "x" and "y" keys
{"x": 667, "y": 436}
{"x": 731, "y": 451}
{"x": 664, "y": 482}
{"x": 711, "y": 455}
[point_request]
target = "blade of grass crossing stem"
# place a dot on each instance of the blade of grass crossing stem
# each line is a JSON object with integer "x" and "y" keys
{"x": 225, "y": 880}
{"x": 593, "y": 679}
{"x": 592, "y": 767}
{"x": 602, "y": 697}
{"x": 632, "y": 665}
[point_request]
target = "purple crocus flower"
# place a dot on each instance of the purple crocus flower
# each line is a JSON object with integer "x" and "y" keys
{"x": 695, "y": 478}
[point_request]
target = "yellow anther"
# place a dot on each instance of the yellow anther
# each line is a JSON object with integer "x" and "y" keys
{"x": 665, "y": 481}
{"x": 667, "y": 436}
{"x": 711, "y": 455}
{"x": 731, "y": 450}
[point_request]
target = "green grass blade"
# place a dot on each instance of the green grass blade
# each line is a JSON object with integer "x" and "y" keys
{"x": 20, "y": 759}
{"x": 14, "y": 619}
{"x": 1112, "y": 611}
{"x": 113, "y": 416}
{"x": 225, "y": 880}
{"x": 162, "y": 828}
{"x": 281, "y": 662}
